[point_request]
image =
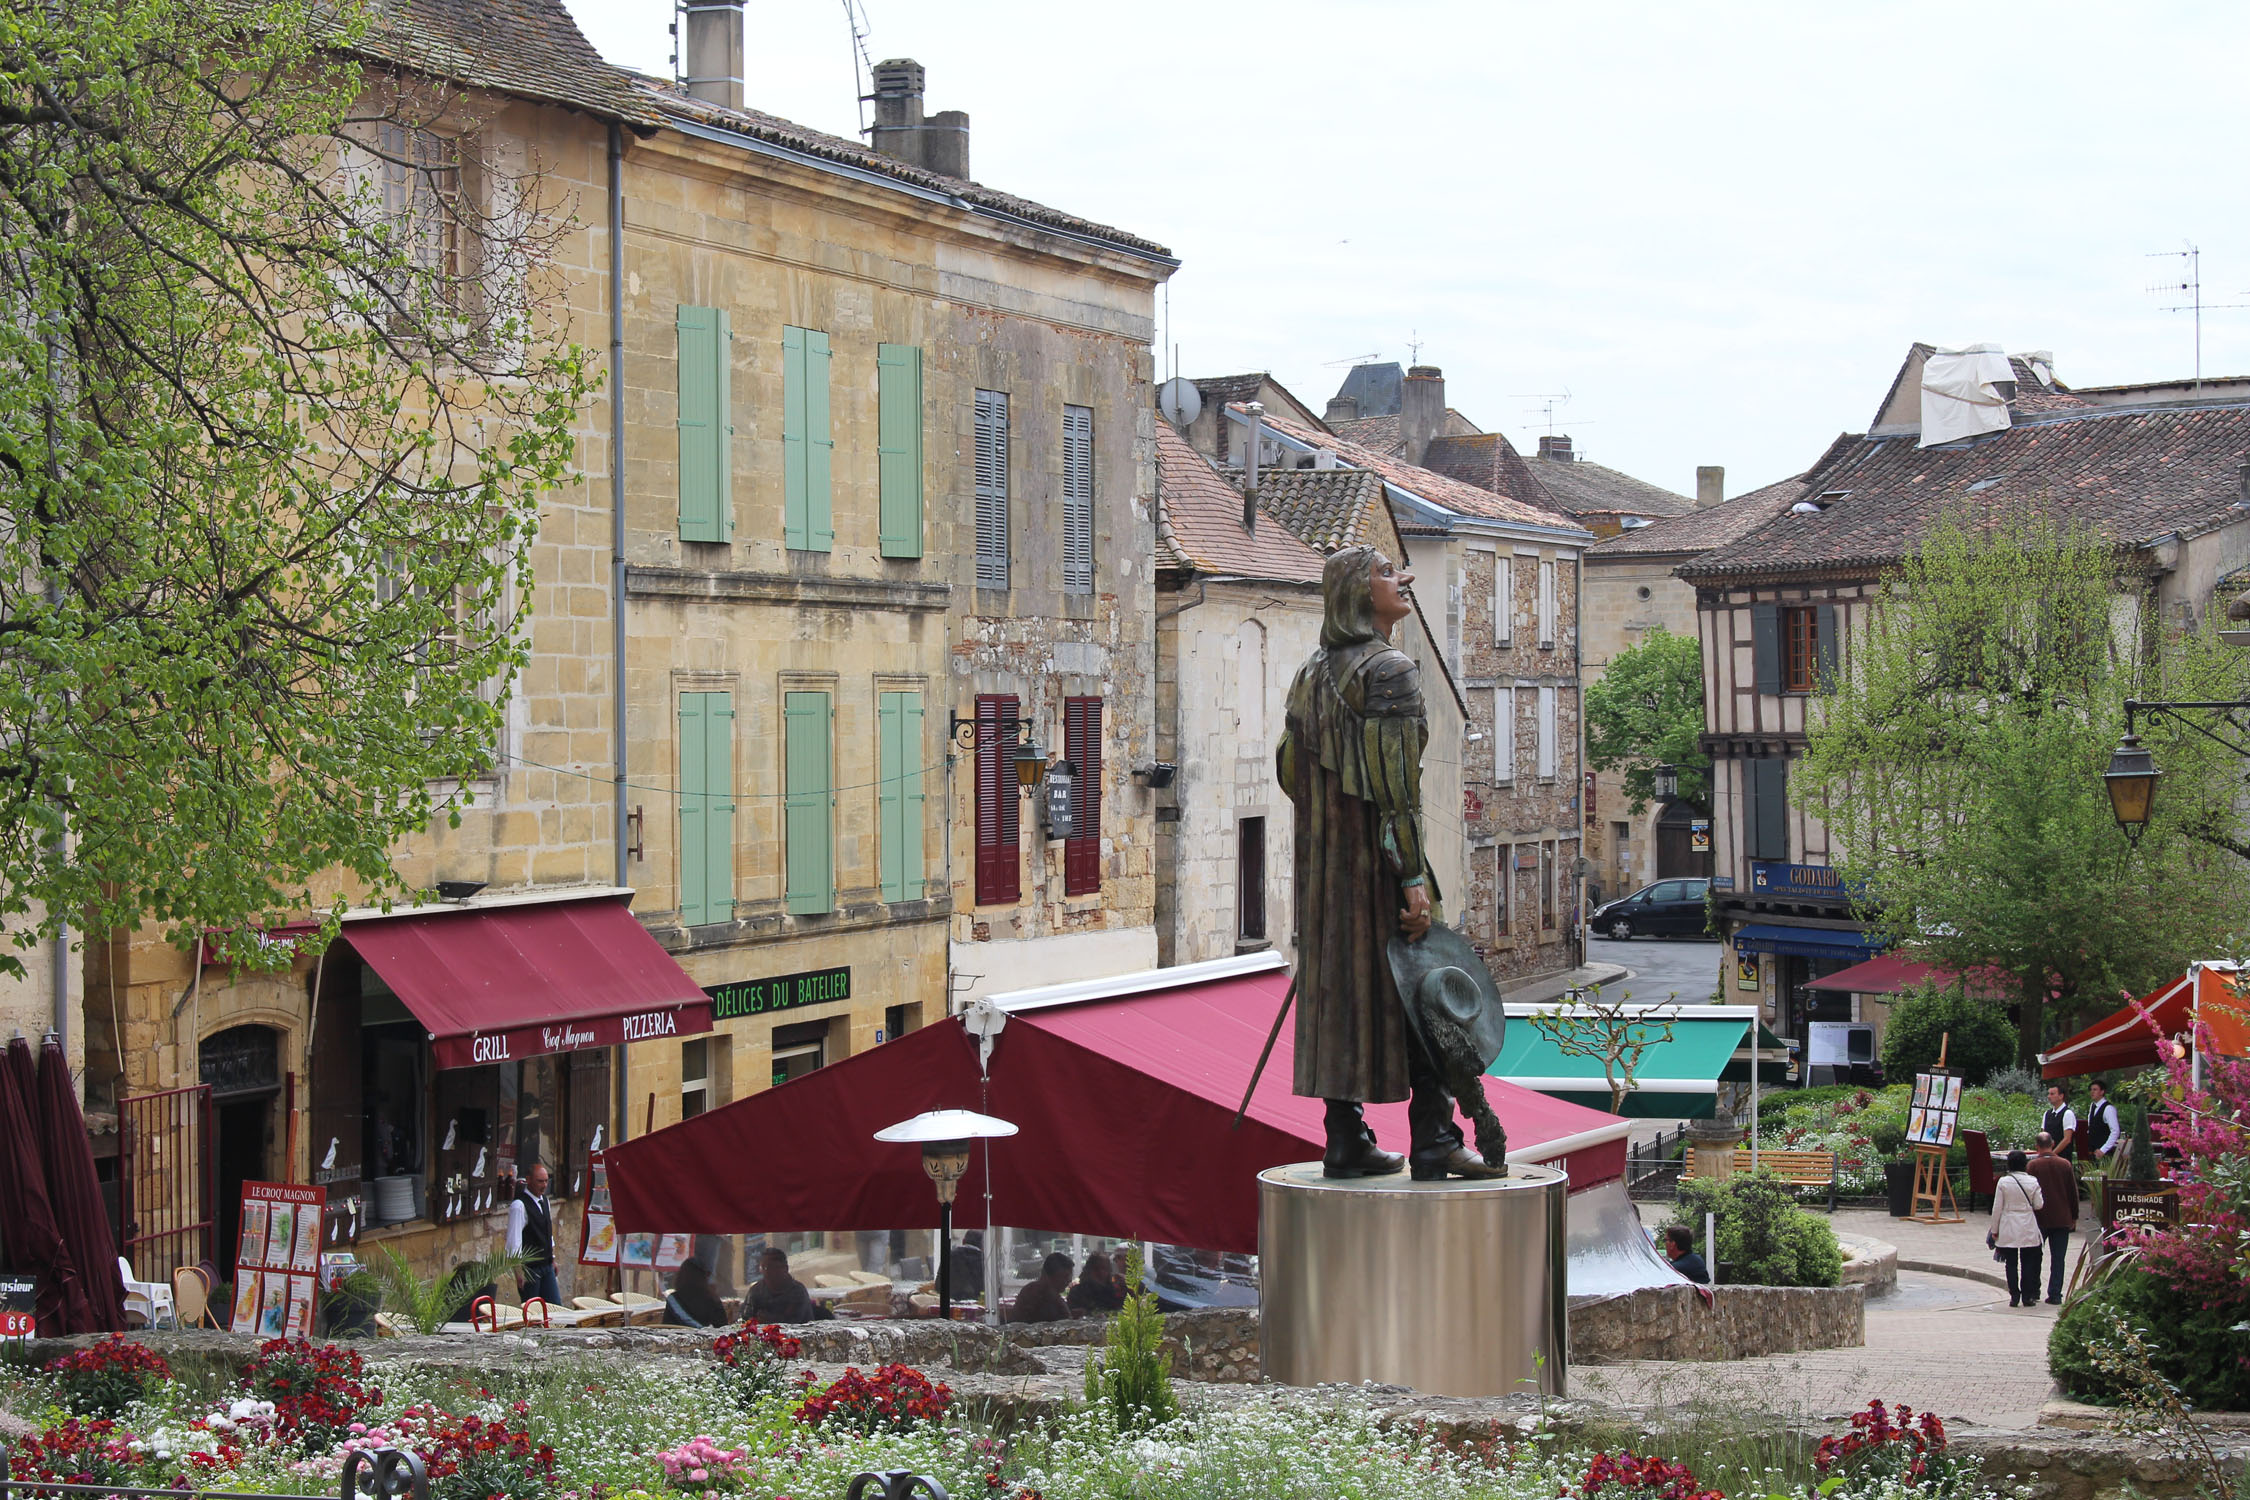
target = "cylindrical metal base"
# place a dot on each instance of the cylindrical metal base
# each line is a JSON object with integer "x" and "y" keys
{"x": 1455, "y": 1288}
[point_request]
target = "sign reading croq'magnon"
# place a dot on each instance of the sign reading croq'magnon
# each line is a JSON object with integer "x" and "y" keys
{"x": 480, "y": 1047}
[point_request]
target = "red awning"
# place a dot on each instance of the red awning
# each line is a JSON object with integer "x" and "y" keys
{"x": 1891, "y": 974}
{"x": 1123, "y": 1102}
{"x": 500, "y": 982}
{"x": 2206, "y": 992}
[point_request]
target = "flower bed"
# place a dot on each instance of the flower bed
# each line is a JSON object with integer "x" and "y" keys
{"x": 570, "y": 1428}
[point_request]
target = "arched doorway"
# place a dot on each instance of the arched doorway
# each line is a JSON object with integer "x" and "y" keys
{"x": 242, "y": 1065}
{"x": 1680, "y": 828}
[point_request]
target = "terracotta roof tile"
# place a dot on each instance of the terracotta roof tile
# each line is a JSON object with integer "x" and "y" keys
{"x": 1377, "y": 434}
{"x": 2131, "y": 473}
{"x": 528, "y": 48}
{"x": 1326, "y": 508}
{"x": 1586, "y": 489}
{"x": 1464, "y": 499}
{"x": 1200, "y": 522}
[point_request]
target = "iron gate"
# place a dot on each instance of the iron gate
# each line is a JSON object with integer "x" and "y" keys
{"x": 385, "y": 1474}
{"x": 167, "y": 1181}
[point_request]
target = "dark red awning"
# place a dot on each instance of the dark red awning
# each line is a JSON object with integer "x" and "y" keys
{"x": 497, "y": 983}
{"x": 2207, "y": 993}
{"x": 1890, "y": 974}
{"x": 1123, "y": 1103}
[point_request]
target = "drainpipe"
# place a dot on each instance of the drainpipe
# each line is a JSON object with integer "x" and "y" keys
{"x": 59, "y": 971}
{"x": 617, "y": 533}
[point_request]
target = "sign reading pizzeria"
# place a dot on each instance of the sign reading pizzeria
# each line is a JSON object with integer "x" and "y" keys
{"x": 481, "y": 1047}
{"x": 761, "y": 997}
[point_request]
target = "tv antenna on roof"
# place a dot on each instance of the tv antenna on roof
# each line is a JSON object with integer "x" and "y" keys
{"x": 1548, "y": 401}
{"x": 1353, "y": 359}
{"x": 1414, "y": 346}
{"x": 2192, "y": 288}
{"x": 855, "y": 17}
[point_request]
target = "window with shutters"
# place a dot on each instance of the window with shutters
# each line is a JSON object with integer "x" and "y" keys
{"x": 898, "y": 445}
{"x": 807, "y": 447}
{"x": 808, "y": 804}
{"x": 1547, "y": 740}
{"x": 992, "y": 489}
{"x": 999, "y": 875}
{"x": 706, "y": 434}
{"x": 1800, "y": 650}
{"x": 1078, "y": 500}
{"x": 1546, "y": 604}
{"x": 898, "y": 833}
{"x": 1550, "y": 900}
{"x": 1504, "y": 734}
{"x": 1765, "y": 807}
{"x": 1503, "y": 599}
{"x": 1082, "y": 747}
{"x": 1250, "y": 879}
{"x": 706, "y": 808}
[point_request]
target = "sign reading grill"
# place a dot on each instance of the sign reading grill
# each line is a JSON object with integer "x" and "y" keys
{"x": 761, "y": 997}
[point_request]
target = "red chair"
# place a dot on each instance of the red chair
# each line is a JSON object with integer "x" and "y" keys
{"x": 1981, "y": 1177}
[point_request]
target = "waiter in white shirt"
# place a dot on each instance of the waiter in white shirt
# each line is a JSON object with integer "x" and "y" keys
{"x": 2103, "y": 1133}
{"x": 531, "y": 1233}
{"x": 2061, "y": 1123}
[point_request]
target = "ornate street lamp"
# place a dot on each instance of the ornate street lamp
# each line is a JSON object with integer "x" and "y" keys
{"x": 2131, "y": 779}
{"x": 944, "y": 1136}
{"x": 1667, "y": 781}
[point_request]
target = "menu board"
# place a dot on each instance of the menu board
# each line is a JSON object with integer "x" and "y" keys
{"x": 277, "y": 1262}
{"x": 1934, "y": 1116}
{"x": 19, "y": 1300}
{"x": 599, "y": 1243}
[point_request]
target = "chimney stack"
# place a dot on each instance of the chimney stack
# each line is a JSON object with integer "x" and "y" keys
{"x": 936, "y": 143}
{"x": 1341, "y": 409}
{"x": 1710, "y": 486}
{"x": 2242, "y": 483}
{"x": 1256, "y": 410}
{"x": 1421, "y": 410}
{"x": 1557, "y": 448}
{"x": 714, "y": 51}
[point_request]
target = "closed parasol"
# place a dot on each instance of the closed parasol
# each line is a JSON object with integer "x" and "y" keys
{"x": 35, "y": 1243}
{"x": 75, "y": 1194}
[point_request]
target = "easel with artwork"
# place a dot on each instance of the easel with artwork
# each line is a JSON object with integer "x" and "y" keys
{"x": 1931, "y": 1123}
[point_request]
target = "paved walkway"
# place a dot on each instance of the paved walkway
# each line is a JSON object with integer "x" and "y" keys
{"x": 1943, "y": 1342}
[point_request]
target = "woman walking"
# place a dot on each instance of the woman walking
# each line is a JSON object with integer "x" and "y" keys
{"x": 2015, "y": 1234}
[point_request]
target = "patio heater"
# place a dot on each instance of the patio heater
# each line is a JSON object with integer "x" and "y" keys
{"x": 944, "y": 1136}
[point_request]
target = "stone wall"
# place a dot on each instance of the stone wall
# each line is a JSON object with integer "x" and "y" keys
{"x": 1742, "y": 1322}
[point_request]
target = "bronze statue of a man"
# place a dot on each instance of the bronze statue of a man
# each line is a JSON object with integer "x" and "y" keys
{"x": 1351, "y": 761}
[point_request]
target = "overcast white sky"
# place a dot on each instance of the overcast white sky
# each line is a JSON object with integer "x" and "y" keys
{"x": 1717, "y": 226}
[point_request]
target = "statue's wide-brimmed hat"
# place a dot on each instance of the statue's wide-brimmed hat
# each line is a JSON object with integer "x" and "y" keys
{"x": 1449, "y": 994}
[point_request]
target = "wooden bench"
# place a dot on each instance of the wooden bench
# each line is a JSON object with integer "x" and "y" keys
{"x": 1796, "y": 1168}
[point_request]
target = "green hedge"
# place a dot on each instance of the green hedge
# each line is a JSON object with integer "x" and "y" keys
{"x": 2195, "y": 1345}
{"x": 1765, "y": 1239}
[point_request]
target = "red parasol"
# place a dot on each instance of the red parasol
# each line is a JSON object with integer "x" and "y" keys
{"x": 35, "y": 1243}
{"x": 75, "y": 1194}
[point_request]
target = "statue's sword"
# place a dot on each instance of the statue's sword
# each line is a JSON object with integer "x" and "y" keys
{"x": 1271, "y": 1037}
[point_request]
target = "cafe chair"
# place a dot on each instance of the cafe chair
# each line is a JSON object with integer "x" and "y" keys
{"x": 151, "y": 1299}
{"x": 191, "y": 1298}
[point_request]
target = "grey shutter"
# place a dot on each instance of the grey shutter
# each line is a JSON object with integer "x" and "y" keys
{"x": 1078, "y": 500}
{"x": 992, "y": 489}
{"x": 1765, "y": 646}
{"x": 1769, "y": 808}
{"x": 1829, "y": 646}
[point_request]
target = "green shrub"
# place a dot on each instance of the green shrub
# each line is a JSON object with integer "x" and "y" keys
{"x": 2195, "y": 1345}
{"x": 1132, "y": 1377}
{"x": 1981, "y": 1040}
{"x": 1765, "y": 1239}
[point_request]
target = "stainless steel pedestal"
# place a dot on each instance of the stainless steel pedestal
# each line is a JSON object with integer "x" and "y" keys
{"x": 1455, "y": 1288}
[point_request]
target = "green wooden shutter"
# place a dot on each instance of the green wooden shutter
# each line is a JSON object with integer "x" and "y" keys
{"x": 900, "y": 799}
{"x": 1765, "y": 647}
{"x": 706, "y": 466}
{"x": 807, "y": 447}
{"x": 808, "y": 804}
{"x": 706, "y": 808}
{"x": 1828, "y": 648}
{"x": 898, "y": 445}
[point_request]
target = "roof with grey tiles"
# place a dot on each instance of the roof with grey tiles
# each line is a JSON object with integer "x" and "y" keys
{"x": 1200, "y": 522}
{"x": 1587, "y": 489}
{"x": 1326, "y": 508}
{"x": 1428, "y": 484}
{"x": 531, "y": 49}
{"x": 1699, "y": 531}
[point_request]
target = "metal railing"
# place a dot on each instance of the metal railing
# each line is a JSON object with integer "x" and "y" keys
{"x": 383, "y": 1474}
{"x": 1656, "y": 1167}
{"x": 167, "y": 1181}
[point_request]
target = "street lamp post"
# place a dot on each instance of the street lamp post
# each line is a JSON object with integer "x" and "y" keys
{"x": 944, "y": 1136}
{"x": 1667, "y": 777}
{"x": 2132, "y": 775}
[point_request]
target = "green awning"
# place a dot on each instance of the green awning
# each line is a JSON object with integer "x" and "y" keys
{"x": 1677, "y": 1079}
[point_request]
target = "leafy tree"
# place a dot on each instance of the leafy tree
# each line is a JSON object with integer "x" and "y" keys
{"x": 1958, "y": 764}
{"x": 1646, "y": 711}
{"x": 1615, "y": 1033}
{"x": 1974, "y": 1035}
{"x": 280, "y": 384}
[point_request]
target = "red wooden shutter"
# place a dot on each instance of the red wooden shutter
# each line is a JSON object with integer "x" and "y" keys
{"x": 999, "y": 860}
{"x": 1082, "y": 747}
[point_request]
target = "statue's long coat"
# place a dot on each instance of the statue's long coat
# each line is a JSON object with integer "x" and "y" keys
{"x": 1351, "y": 761}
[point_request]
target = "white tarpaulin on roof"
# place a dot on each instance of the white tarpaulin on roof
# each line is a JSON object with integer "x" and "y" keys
{"x": 1959, "y": 393}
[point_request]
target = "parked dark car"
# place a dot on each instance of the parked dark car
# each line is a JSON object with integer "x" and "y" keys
{"x": 1669, "y": 908}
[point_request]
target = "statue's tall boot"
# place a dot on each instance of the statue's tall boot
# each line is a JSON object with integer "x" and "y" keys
{"x": 1438, "y": 1150}
{"x": 1352, "y": 1151}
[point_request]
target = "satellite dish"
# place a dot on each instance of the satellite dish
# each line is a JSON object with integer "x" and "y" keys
{"x": 1179, "y": 400}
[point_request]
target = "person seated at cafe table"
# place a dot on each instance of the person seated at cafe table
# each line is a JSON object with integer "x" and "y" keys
{"x": 1679, "y": 1249}
{"x": 1042, "y": 1300}
{"x": 776, "y": 1296}
{"x": 1099, "y": 1290}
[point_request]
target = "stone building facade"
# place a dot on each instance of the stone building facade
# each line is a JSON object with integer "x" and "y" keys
{"x": 886, "y": 461}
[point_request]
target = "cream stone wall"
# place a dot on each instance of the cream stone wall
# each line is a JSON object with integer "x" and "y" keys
{"x": 1626, "y": 598}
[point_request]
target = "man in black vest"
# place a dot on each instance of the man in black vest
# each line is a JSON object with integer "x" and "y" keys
{"x": 2103, "y": 1134}
{"x": 2061, "y": 1123}
{"x": 531, "y": 1231}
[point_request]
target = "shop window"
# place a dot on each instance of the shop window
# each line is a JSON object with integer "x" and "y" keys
{"x": 394, "y": 1090}
{"x": 531, "y": 1110}
{"x": 798, "y": 1049}
{"x": 1250, "y": 879}
{"x": 695, "y": 1077}
{"x": 586, "y": 1112}
{"x": 898, "y": 1020}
